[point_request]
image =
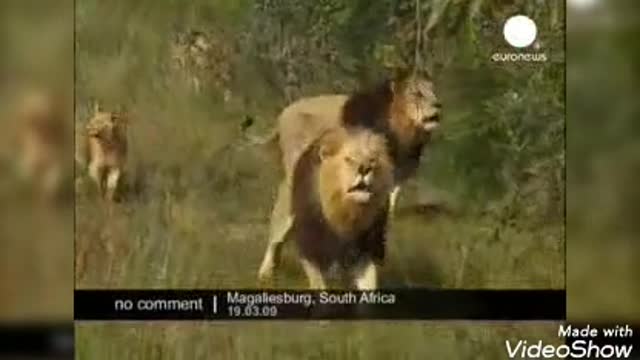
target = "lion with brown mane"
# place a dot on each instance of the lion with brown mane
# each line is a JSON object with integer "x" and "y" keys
{"x": 341, "y": 185}
{"x": 405, "y": 110}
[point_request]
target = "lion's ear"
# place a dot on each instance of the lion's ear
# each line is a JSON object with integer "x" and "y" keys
{"x": 327, "y": 150}
{"x": 330, "y": 144}
{"x": 398, "y": 79}
{"x": 96, "y": 107}
{"x": 120, "y": 117}
{"x": 393, "y": 86}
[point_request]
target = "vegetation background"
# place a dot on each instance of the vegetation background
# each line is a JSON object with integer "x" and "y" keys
{"x": 191, "y": 74}
{"x": 603, "y": 162}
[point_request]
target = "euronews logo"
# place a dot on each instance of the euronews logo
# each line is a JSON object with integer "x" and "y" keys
{"x": 520, "y": 32}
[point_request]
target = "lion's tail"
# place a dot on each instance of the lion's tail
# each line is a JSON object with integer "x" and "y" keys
{"x": 268, "y": 144}
{"x": 271, "y": 139}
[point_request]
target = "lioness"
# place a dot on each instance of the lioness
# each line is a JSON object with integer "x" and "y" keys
{"x": 105, "y": 150}
{"x": 405, "y": 109}
{"x": 341, "y": 185}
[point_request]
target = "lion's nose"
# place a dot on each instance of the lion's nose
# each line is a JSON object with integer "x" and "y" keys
{"x": 364, "y": 169}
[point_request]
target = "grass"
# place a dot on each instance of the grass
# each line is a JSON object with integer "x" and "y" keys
{"x": 256, "y": 341}
{"x": 198, "y": 241}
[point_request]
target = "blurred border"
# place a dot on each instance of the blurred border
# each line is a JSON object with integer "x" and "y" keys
{"x": 603, "y": 161}
{"x": 36, "y": 242}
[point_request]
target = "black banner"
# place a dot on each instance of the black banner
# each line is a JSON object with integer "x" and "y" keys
{"x": 37, "y": 340}
{"x": 405, "y": 304}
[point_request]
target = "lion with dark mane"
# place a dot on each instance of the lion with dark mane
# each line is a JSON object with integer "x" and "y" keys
{"x": 340, "y": 194}
{"x": 405, "y": 110}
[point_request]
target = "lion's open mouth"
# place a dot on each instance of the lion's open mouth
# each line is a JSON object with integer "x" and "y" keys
{"x": 360, "y": 191}
{"x": 431, "y": 123}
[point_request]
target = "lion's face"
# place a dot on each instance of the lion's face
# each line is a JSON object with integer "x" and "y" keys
{"x": 106, "y": 125}
{"x": 358, "y": 165}
{"x": 416, "y": 98}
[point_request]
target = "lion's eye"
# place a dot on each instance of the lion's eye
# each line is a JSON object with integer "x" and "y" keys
{"x": 418, "y": 94}
{"x": 350, "y": 160}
